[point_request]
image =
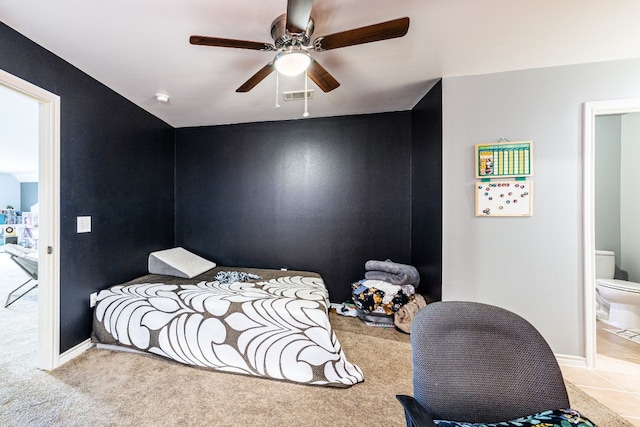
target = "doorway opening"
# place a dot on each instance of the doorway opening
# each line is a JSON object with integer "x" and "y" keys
{"x": 49, "y": 214}
{"x": 591, "y": 111}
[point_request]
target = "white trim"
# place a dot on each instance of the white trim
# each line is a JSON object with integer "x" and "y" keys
{"x": 588, "y": 231}
{"x": 575, "y": 361}
{"x": 76, "y": 351}
{"x": 590, "y": 111}
{"x": 49, "y": 206}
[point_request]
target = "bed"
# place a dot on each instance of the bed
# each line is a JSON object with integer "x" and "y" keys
{"x": 226, "y": 318}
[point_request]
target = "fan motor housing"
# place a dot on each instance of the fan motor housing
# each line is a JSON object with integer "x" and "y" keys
{"x": 282, "y": 38}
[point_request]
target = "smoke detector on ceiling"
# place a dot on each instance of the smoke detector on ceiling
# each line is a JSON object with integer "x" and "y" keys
{"x": 162, "y": 97}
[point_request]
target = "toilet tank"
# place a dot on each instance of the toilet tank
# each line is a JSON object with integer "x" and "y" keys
{"x": 605, "y": 264}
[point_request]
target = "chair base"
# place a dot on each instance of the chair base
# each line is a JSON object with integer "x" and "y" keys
{"x": 414, "y": 412}
{"x": 15, "y": 296}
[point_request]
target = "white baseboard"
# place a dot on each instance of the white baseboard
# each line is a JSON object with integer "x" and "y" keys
{"x": 564, "y": 360}
{"x": 76, "y": 351}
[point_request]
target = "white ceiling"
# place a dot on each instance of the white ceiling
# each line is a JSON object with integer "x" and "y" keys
{"x": 139, "y": 48}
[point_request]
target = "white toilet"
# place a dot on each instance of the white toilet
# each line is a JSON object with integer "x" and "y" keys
{"x": 622, "y": 297}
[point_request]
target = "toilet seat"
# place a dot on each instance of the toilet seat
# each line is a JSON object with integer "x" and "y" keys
{"x": 621, "y": 285}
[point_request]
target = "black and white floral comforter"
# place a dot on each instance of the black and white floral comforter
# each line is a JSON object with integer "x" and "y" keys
{"x": 275, "y": 327}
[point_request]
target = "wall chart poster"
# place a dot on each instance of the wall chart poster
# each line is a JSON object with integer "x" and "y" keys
{"x": 504, "y": 159}
{"x": 504, "y": 198}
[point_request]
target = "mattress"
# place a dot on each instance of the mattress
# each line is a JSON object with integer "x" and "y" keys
{"x": 274, "y": 327}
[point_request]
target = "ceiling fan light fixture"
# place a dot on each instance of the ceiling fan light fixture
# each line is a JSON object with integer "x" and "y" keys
{"x": 292, "y": 62}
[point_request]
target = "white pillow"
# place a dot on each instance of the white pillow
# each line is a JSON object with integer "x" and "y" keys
{"x": 178, "y": 262}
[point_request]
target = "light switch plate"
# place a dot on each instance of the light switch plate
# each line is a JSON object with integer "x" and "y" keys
{"x": 84, "y": 224}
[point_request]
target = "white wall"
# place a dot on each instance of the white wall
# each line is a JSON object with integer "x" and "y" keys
{"x": 19, "y": 115}
{"x": 533, "y": 265}
{"x": 629, "y": 196}
{"x": 608, "y": 131}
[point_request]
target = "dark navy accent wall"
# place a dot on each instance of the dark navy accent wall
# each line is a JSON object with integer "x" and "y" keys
{"x": 323, "y": 194}
{"x": 116, "y": 165}
{"x": 426, "y": 191}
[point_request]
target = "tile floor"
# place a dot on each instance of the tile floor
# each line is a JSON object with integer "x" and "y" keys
{"x": 615, "y": 381}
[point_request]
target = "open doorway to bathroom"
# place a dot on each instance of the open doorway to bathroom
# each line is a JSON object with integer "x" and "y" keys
{"x": 48, "y": 207}
{"x": 611, "y": 174}
{"x": 617, "y": 230}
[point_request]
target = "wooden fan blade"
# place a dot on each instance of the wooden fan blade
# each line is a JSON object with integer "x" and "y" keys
{"x": 371, "y": 33}
{"x": 298, "y": 14}
{"x": 256, "y": 78}
{"x": 321, "y": 77}
{"x": 220, "y": 42}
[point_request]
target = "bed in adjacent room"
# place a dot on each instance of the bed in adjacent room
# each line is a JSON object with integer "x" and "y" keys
{"x": 266, "y": 323}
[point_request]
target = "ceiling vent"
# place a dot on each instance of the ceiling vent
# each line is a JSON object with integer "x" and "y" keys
{"x": 297, "y": 95}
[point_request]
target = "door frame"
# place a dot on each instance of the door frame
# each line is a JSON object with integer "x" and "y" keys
{"x": 49, "y": 218}
{"x": 590, "y": 111}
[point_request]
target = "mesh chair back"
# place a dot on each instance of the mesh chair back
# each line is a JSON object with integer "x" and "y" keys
{"x": 480, "y": 363}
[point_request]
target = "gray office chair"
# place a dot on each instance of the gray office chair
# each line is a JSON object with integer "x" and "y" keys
{"x": 477, "y": 363}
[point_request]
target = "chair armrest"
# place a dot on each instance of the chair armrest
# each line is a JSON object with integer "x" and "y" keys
{"x": 414, "y": 412}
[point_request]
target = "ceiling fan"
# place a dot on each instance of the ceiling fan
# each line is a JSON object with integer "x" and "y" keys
{"x": 291, "y": 33}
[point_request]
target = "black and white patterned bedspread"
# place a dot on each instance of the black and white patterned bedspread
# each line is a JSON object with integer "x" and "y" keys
{"x": 277, "y": 327}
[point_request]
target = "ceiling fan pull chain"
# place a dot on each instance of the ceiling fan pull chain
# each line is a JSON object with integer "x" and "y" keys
{"x": 277, "y": 89}
{"x": 306, "y": 95}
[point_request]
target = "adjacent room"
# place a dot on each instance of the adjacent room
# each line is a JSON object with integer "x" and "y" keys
{"x": 18, "y": 228}
{"x": 161, "y": 126}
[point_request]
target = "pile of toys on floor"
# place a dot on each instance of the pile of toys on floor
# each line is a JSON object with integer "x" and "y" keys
{"x": 387, "y": 295}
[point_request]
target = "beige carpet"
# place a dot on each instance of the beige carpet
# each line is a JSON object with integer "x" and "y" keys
{"x": 107, "y": 388}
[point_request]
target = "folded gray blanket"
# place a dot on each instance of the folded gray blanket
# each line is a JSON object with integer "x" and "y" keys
{"x": 392, "y": 272}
